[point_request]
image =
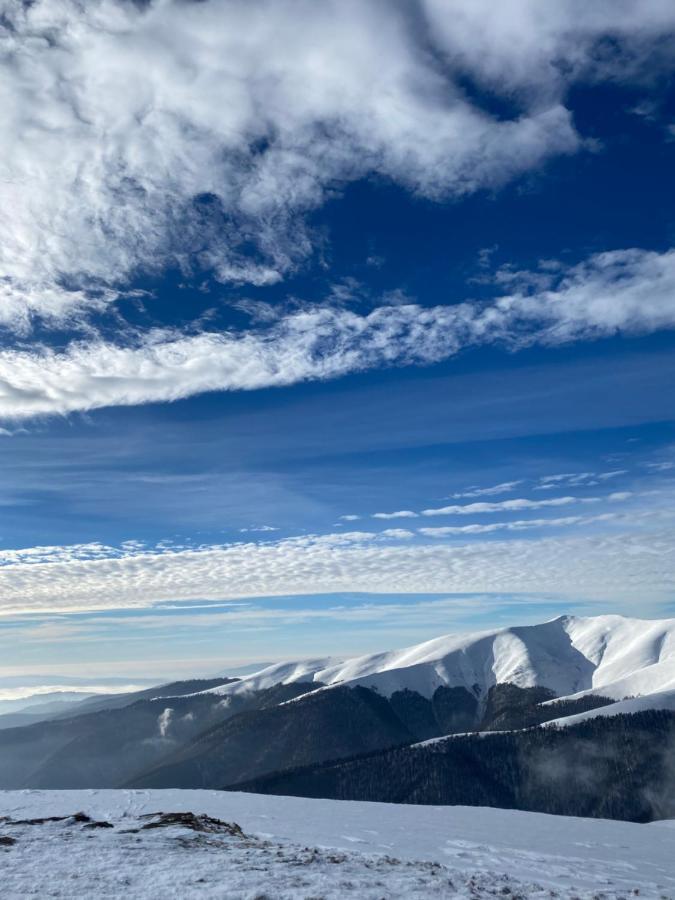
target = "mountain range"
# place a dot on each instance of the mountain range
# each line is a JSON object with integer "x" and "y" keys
{"x": 470, "y": 718}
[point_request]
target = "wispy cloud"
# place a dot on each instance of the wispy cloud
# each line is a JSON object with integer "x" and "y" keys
{"x": 470, "y": 509}
{"x": 376, "y": 622}
{"x": 625, "y": 291}
{"x": 577, "y": 479}
{"x": 664, "y": 466}
{"x": 504, "y": 488}
{"x": 164, "y": 722}
{"x": 518, "y": 525}
{"x": 400, "y": 514}
{"x": 259, "y": 528}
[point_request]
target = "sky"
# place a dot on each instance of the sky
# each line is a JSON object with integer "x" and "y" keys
{"x": 328, "y": 328}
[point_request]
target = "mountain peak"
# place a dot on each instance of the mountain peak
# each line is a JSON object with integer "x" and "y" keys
{"x": 608, "y": 654}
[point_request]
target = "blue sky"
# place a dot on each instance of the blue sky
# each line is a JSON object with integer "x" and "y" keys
{"x": 330, "y": 339}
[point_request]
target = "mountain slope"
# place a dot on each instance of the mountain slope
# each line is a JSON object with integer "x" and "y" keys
{"x": 570, "y": 655}
{"x": 210, "y": 733}
{"x": 664, "y": 700}
{"x": 617, "y": 767}
{"x": 109, "y": 746}
{"x": 316, "y": 727}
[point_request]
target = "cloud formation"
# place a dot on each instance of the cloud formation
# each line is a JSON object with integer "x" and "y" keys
{"x": 470, "y": 509}
{"x": 138, "y": 136}
{"x": 622, "y": 292}
{"x": 143, "y": 135}
{"x": 504, "y": 488}
{"x": 518, "y": 46}
{"x": 576, "y": 479}
{"x": 618, "y": 565}
{"x": 517, "y": 525}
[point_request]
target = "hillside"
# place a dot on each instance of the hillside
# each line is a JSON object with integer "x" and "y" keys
{"x": 612, "y": 768}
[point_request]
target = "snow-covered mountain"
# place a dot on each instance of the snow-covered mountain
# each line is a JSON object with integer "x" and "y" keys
{"x": 308, "y": 714}
{"x": 611, "y": 655}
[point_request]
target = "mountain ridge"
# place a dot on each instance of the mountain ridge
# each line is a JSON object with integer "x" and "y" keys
{"x": 585, "y": 672}
{"x": 611, "y": 655}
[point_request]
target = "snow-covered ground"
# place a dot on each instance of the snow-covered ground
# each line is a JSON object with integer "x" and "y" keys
{"x": 298, "y": 848}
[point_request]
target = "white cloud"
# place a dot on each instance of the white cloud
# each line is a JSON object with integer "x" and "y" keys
{"x": 399, "y": 534}
{"x": 142, "y": 135}
{"x": 469, "y": 509}
{"x": 350, "y": 518}
{"x": 524, "y": 47}
{"x": 566, "y": 477}
{"x": 411, "y": 618}
{"x": 518, "y": 525}
{"x": 139, "y": 136}
{"x": 170, "y": 133}
{"x": 621, "y": 292}
{"x": 576, "y": 479}
{"x": 400, "y": 514}
{"x": 259, "y": 528}
{"x": 164, "y": 721}
{"x": 619, "y": 564}
{"x": 54, "y": 553}
{"x": 504, "y": 488}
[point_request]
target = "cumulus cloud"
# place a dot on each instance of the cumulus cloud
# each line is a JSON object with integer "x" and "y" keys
{"x": 622, "y": 292}
{"x": 144, "y": 135}
{"x": 522, "y": 47}
{"x": 198, "y": 135}
{"x": 619, "y": 564}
